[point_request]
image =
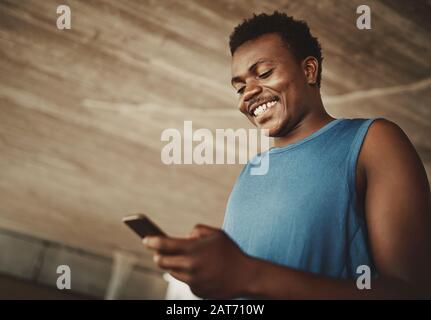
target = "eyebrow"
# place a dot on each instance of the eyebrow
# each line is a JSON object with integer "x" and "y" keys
{"x": 253, "y": 66}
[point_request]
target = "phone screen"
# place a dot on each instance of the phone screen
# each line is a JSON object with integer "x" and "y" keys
{"x": 142, "y": 226}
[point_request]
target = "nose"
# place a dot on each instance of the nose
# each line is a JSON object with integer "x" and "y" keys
{"x": 251, "y": 90}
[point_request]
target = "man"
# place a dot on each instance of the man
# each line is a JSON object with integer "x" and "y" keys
{"x": 339, "y": 195}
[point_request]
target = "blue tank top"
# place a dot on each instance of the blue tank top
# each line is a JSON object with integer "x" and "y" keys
{"x": 302, "y": 213}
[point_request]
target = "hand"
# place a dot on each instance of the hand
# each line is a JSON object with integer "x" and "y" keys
{"x": 208, "y": 261}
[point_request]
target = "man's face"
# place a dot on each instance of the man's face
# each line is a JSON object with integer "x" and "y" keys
{"x": 271, "y": 84}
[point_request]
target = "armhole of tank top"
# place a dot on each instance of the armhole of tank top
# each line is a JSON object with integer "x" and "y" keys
{"x": 241, "y": 173}
{"x": 355, "y": 150}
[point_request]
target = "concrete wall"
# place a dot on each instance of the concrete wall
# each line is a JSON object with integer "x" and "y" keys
{"x": 29, "y": 270}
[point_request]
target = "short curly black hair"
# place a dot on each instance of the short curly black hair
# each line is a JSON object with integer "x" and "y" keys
{"x": 295, "y": 33}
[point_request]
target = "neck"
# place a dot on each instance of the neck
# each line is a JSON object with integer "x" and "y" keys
{"x": 306, "y": 126}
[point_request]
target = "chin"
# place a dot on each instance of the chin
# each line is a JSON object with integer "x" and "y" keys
{"x": 274, "y": 130}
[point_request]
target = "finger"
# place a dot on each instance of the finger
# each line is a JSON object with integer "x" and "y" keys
{"x": 167, "y": 245}
{"x": 201, "y": 230}
{"x": 181, "y": 276}
{"x": 177, "y": 263}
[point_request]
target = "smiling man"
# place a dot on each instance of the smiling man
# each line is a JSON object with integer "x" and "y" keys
{"x": 339, "y": 193}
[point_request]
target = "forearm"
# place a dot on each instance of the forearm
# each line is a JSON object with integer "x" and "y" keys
{"x": 270, "y": 281}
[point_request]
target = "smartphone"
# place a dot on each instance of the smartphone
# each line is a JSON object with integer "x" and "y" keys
{"x": 143, "y": 226}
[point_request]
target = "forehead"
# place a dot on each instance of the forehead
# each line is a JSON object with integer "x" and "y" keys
{"x": 268, "y": 47}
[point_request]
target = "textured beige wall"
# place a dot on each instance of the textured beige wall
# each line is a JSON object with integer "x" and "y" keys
{"x": 82, "y": 110}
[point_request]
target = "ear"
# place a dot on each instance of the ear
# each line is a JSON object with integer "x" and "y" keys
{"x": 310, "y": 65}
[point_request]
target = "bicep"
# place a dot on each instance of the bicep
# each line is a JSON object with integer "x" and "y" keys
{"x": 397, "y": 205}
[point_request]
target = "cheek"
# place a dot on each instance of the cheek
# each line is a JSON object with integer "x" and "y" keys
{"x": 279, "y": 84}
{"x": 284, "y": 88}
{"x": 288, "y": 84}
{"x": 292, "y": 95}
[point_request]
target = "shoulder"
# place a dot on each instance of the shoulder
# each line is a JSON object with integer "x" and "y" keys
{"x": 388, "y": 151}
{"x": 384, "y": 139}
{"x": 384, "y": 132}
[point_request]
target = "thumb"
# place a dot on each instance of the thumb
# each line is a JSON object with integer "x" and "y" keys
{"x": 201, "y": 230}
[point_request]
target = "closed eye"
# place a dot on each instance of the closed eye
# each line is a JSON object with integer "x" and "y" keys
{"x": 265, "y": 74}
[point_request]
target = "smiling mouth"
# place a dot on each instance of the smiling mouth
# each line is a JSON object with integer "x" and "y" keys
{"x": 263, "y": 107}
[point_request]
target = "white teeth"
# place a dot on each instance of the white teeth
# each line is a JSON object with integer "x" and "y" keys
{"x": 262, "y": 108}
